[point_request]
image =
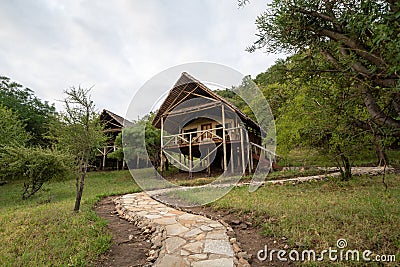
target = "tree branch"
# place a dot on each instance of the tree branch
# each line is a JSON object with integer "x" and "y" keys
{"x": 359, "y": 67}
{"x": 374, "y": 110}
{"x": 356, "y": 47}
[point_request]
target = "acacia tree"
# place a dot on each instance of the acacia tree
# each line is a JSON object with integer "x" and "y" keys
{"x": 80, "y": 133}
{"x": 358, "y": 40}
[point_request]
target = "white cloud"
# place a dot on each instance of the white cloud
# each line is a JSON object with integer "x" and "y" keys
{"x": 116, "y": 46}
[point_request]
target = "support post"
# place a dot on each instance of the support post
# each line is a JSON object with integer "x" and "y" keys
{"x": 242, "y": 148}
{"x": 190, "y": 155}
{"x": 224, "y": 136}
{"x": 104, "y": 157}
{"x": 208, "y": 162}
{"x": 249, "y": 153}
{"x": 251, "y": 158}
{"x": 232, "y": 159}
{"x": 162, "y": 145}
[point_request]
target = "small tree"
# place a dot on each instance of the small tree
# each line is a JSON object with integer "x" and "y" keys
{"x": 151, "y": 148}
{"x": 80, "y": 132}
{"x": 119, "y": 153}
{"x": 35, "y": 165}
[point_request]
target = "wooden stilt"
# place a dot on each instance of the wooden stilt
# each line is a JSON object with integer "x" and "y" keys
{"x": 224, "y": 136}
{"x": 104, "y": 157}
{"x": 232, "y": 159}
{"x": 162, "y": 146}
{"x": 190, "y": 156}
{"x": 208, "y": 163}
{"x": 249, "y": 153}
{"x": 242, "y": 149}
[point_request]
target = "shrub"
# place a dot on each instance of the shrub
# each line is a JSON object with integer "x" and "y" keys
{"x": 35, "y": 165}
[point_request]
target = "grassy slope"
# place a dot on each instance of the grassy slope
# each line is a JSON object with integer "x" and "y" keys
{"x": 317, "y": 214}
{"x": 44, "y": 230}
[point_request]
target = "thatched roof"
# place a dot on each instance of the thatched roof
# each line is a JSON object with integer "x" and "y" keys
{"x": 114, "y": 121}
{"x": 187, "y": 87}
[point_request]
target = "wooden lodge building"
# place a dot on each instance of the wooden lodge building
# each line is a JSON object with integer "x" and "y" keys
{"x": 201, "y": 131}
{"x": 113, "y": 125}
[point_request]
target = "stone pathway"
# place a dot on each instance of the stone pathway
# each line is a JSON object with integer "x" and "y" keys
{"x": 183, "y": 239}
{"x": 180, "y": 238}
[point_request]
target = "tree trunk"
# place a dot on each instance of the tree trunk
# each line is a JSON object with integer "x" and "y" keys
{"x": 382, "y": 156}
{"x": 166, "y": 164}
{"x": 80, "y": 182}
{"x": 345, "y": 166}
{"x": 346, "y": 170}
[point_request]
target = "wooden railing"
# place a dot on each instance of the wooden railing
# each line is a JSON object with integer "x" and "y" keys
{"x": 196, "y": 137}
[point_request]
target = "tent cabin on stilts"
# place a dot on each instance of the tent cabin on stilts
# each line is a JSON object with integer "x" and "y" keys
{"x": 113, "y": 125}
{"x": 201, "y": 131}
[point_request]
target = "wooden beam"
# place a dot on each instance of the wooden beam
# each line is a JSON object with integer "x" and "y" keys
{"x": 162, "y": 146}
{"x": 232, "y": 161}
{"x": 202, "y": 96}
{"x": 104, "y": 157}
{"x": 208, "y": 162}
{"x": 250, "y": 155}
{"x": 193, "y": 109}
{"x": 242, "y": 148}
{"x": 224, "y": 137}
{"x": 172, "y": 157}
{"x": 190, "y": 156}
{"x": 180, "y": 101}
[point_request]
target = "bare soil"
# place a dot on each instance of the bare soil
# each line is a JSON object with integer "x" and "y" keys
{"x": 129, "y": 247}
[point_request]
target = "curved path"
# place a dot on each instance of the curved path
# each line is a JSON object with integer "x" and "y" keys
{"x": 183, "y": 239}
{"x": 179, "y": 238}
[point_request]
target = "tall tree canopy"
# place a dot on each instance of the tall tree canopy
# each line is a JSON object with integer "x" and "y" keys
{"x": 357, "y": 41}
{"x": 11, "y": 129}
{"x": 35, "y": 114}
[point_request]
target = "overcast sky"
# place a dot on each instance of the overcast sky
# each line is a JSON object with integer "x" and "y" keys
{"x": 116, "y": 46}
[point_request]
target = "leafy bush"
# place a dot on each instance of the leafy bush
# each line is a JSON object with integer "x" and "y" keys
{"x": 35, "y": 165}
{"x": 12, "y": 130}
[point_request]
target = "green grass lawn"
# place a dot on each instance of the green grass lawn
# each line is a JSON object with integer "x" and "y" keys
{"x": 316, "y": 214}
{"x": 44, "y": 230}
